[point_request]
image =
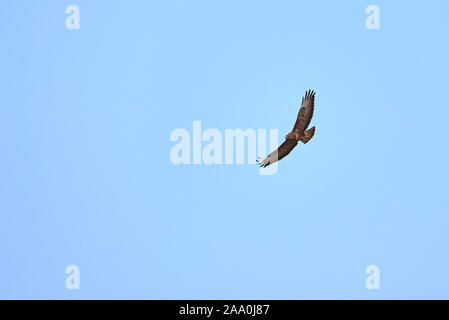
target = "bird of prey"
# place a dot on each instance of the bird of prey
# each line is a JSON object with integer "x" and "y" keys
{"x": 299, "y": 132}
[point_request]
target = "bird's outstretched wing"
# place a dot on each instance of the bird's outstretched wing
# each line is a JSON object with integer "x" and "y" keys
{"x": 305, "y": 112}
{"x": 283, "y": 150}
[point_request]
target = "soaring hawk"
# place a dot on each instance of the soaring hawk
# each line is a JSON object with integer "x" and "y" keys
{"x": 299, "y": 132}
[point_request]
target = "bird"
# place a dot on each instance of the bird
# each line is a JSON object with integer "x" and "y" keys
{"x": 299, "y": 132}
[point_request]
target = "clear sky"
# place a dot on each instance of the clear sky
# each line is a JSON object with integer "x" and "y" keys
{"x": 85, "y": 171}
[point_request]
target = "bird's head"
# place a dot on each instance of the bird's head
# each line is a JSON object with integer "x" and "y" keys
{"x": 289, "y": 136}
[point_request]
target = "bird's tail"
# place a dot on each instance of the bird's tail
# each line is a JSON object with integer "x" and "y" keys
{"x": 308, "y": 134}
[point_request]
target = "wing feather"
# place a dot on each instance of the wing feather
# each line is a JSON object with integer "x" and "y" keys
{"x": 283, "y": 150}
{"x": 305, "y": 113}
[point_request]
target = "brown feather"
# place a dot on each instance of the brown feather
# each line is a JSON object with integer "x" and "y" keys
{"x": 284, "y": 149}
{"x": 305, "y": 112}
{"x": 308, "y": 134}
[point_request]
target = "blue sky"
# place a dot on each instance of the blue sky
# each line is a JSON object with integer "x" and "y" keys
{"x": 86, "y": 178}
